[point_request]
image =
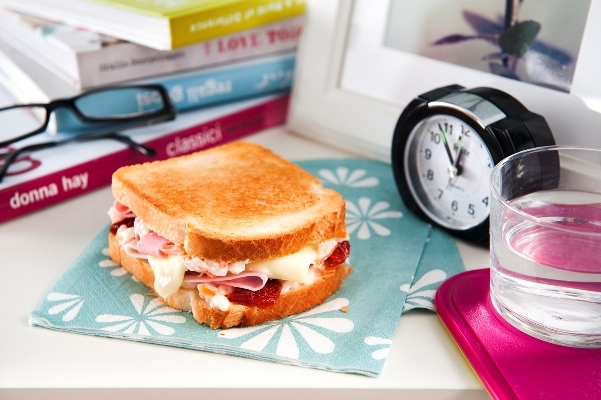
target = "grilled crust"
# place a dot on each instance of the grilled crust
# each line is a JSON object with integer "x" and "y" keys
{"x": 293, "y": 302}
{"x": 238, "y": 199}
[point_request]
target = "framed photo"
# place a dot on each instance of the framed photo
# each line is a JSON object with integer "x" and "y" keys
{"x": 361, "y": 62}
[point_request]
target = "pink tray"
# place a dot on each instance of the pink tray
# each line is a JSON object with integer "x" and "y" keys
{"x": 511, "y": 364}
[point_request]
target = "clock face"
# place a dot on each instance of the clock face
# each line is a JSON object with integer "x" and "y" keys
{"x": 447, "y": 167}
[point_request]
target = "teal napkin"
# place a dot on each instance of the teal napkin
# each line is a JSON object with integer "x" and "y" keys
{"x": 351, "y": 332}
{"x": 440, "y": 260}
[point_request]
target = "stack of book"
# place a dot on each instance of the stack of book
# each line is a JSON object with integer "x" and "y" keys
{"x": 227, "y": 66}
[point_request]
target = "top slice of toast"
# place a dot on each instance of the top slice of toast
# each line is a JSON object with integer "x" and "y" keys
{"x": 234, "y": 202}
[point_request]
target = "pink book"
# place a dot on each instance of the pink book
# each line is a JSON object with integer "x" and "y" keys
{"x": 43, "y": 178}
{"x": 510, "y": 363}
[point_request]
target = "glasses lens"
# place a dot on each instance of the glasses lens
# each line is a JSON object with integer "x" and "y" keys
{"x": 19, "y": 121}
{"x": 120, "y": 103}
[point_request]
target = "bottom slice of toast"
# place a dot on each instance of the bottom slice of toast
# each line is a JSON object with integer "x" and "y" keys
{"x": 293, "y": 302}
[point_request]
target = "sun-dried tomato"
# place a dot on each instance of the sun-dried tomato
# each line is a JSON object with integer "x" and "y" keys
{"x": 129, "y": 222}
{"x": 339, "y": 255}
{"x": 262, "y": 298}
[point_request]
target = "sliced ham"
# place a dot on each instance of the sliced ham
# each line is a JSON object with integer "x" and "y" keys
{"x": 121, "y": 208}
{"x": 120, "y": 212}
{"x": 131, "y": 249}
{"x": 250, "y": 280}
{"x": 172, "y": 249}
{"x": 151, "y": 244}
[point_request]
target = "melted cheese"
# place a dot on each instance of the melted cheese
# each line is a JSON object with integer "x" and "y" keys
{"x": 293, "y": 267}
{"x": 168, "y": 273}
{"x": 220, "y": 301}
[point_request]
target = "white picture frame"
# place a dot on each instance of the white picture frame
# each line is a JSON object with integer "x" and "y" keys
{"x": 350, "y": 89}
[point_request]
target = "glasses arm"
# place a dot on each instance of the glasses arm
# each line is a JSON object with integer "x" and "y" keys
{"x": 146, "y": 150}
{"x": 10, "y": 157}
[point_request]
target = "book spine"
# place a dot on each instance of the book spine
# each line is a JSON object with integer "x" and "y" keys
{"x": 203, "y": 88}
{"x": 127, "y": 61}
{"x": 189, "y": 29}
{"x": 26, "y": 197}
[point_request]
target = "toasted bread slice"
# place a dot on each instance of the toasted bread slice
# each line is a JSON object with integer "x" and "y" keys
{"x": 234, "y": 202}
{"x": 290, "y": 303}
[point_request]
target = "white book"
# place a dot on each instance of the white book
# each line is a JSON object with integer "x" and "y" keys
{"x": 86, "y": 59}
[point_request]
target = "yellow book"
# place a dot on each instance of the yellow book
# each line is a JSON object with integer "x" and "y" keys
{"x": 164, "y": 24}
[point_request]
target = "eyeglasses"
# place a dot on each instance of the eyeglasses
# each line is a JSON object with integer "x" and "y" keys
{"x": 124, "y": 106}
{"x": 118, "y": 106}
{"x": 10, "y": 156}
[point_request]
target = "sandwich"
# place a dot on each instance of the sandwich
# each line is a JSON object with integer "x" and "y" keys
{"x": 236, "y": 235}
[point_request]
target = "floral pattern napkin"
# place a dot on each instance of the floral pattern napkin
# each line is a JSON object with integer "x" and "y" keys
{"x": 398, "y": 262}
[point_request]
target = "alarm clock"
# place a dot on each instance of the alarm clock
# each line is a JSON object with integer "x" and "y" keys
{"x": 445, "y": 145}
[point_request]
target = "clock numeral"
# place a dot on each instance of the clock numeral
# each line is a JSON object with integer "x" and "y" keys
{"x": 471, "y": 209}
{"x": 430, "y": 175}
{"x": 435, "y": 137}
{"x": 448, "y": 128}
{"x": 440, "y": 192}
{"x": 485, "y": 200}
{"x": 454, "y": 205}
{"x": 428, "y": 154}
{"x": 465, "y": 132}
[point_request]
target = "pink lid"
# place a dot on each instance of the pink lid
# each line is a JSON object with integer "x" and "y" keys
{"x": 511, "y": 364}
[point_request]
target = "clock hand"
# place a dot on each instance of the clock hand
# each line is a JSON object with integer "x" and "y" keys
{"x": 448, "y": 149}
{"x": 452, "y": 169}
{"x": 456, "y": 168}
{"x": 459, "y": 151}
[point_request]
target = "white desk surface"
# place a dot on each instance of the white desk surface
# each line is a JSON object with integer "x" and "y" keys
{"x": 424, "y": 362}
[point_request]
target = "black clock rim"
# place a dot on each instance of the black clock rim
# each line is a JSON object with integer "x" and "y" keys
{"x": 405, "y": 125}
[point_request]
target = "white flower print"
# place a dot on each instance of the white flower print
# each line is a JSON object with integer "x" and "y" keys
{"x": 153, "y": 315}
{"x": 301, "y": 323}
{"x": 361, "y": 218}
{"x": 70, "y": 303}
{"x": 423, "y": 298}
{"x": 342, "y": 177}
{"x": 117, "y": 269}
{"x": 382, "y": 353}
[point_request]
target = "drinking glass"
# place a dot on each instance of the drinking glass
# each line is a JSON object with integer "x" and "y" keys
{"x": 545, "y": 226}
